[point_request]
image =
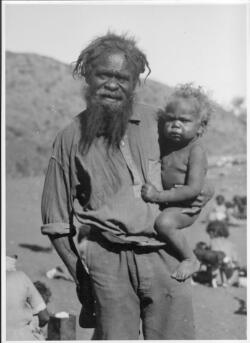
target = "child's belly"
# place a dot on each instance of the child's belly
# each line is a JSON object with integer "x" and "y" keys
{"x": 174, "y": 168}
{"x": 173, "y": 176}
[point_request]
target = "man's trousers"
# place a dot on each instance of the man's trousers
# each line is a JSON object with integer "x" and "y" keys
{"x": 133, "y": 284}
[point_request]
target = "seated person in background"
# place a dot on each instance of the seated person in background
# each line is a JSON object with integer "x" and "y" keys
{"x": 211, "y": 263}
{"x": 40, "y": 321}
{"x": 240, "y": 203}
{"x": 219, "y": 210}
{"x": 23, "y": 301}
{"x": 218, "y": 233}
{"x": 184, "y": 167}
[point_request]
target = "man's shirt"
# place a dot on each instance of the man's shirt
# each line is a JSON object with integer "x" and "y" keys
{"x": 102, "y": 188}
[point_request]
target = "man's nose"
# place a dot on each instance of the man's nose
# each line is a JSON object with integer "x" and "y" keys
{"x": 111, "y": 84}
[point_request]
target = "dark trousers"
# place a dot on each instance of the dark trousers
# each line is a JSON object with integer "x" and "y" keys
{"x": 132, "y": 284}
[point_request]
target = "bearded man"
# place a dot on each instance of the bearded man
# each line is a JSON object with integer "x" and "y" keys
{"x": 98, "y": 165}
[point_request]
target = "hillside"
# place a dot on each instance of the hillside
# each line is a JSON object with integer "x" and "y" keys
{"x": 42, "y": 97}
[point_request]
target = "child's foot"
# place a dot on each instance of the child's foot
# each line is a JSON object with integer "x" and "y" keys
{"x": 186, "y": 269}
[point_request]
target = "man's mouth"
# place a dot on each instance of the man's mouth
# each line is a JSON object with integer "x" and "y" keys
{"x": 111, "y": 97}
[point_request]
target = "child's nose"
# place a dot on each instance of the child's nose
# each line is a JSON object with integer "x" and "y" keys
{"x": 176, "y": 123}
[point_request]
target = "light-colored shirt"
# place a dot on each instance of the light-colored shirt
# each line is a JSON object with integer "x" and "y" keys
{"x": 218, "y": 212}
{"x": 23, "y": 301}
{"x": 102, "y": 188}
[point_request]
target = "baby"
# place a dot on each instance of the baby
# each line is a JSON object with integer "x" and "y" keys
{"x": 184, "y": 167}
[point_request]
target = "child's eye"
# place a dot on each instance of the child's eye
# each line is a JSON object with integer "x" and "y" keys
{"x": 185, "y": 120}
{"x": 168, "y": 117}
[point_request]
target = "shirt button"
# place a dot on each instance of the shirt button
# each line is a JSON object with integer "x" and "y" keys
{"x": 122, "y": 143}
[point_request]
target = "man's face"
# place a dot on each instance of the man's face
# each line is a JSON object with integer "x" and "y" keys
{"x": 111, "y": 80}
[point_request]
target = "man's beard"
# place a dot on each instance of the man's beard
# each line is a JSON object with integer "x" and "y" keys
{"x": 102, "y": 119}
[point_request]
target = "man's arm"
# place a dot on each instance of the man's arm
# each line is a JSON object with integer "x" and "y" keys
{"x": 66, "y": 249}
{"x": 56, "y": 207}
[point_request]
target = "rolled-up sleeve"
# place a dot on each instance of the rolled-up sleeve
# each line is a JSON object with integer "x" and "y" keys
{"x": 56, "y": 206}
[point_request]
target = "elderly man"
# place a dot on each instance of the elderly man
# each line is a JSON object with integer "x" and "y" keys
{"x": 98, "y": 165}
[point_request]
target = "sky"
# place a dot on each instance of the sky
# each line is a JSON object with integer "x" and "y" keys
{"x": 200, "y": 43}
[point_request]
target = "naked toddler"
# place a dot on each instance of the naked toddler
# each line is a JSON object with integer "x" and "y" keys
{"x": 184, "y": 166}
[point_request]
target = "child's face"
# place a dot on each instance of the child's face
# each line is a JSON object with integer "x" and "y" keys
{"x": 182, "y": 123}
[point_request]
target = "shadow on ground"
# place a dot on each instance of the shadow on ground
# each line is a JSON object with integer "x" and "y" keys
{"x": 35, "y": 247}
{"x": 242, "y": 307}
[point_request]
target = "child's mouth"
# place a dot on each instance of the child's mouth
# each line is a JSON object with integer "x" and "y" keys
{"x": 175, "y": 135}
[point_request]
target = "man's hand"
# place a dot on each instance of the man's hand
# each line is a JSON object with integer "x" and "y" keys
{"x": 149, "y": 193}
{"x": 205, "y": 195}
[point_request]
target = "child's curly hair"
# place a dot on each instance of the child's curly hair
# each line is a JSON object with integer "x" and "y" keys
{"x": 202, "y": 103}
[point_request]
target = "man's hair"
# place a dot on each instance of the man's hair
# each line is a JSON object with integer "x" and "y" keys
{"x": 111, "y": 42}
{"x": 43, "y": 290}
{"x": 219, "y": 228}
{"x": 187, "y": 91}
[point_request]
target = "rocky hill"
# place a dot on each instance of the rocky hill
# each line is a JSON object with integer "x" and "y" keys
{"x": 42, "y": 97}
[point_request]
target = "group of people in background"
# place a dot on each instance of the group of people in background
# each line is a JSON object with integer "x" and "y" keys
{"x": 220, "y": 265}
{"x": 229, "y": 211}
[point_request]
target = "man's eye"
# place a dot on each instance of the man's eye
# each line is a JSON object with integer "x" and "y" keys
{"x": 101, "y": 76}
{"x": 122, "y": 79}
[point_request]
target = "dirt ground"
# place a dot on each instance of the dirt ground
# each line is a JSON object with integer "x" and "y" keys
{"x": 218, "y": 312}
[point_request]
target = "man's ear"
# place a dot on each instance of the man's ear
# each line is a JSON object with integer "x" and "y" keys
{"x": 136, "y": 82}
{"x": 87, "y": 78}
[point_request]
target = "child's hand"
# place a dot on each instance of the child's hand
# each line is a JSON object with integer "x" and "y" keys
{"x": 149, "y": 193}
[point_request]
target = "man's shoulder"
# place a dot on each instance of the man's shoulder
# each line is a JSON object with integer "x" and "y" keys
{"x": 71, "y": 131}
{"x": 145, "y": 112}
{"x": 144, "y": 108}
{"x": 73, "y": 126}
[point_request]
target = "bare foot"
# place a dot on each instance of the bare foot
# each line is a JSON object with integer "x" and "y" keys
{"x": 186, "y": 269}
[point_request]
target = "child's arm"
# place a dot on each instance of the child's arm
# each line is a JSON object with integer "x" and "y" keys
{"x": 195, "y": 180}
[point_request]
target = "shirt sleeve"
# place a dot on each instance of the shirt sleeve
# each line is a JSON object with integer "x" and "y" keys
{"x": 56, "y": 204}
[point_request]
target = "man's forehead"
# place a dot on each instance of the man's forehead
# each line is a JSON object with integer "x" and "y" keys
{"x": 114, "y": 59}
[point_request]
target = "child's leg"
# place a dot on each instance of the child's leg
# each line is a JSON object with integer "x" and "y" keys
{"x": 168, "y": 226}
